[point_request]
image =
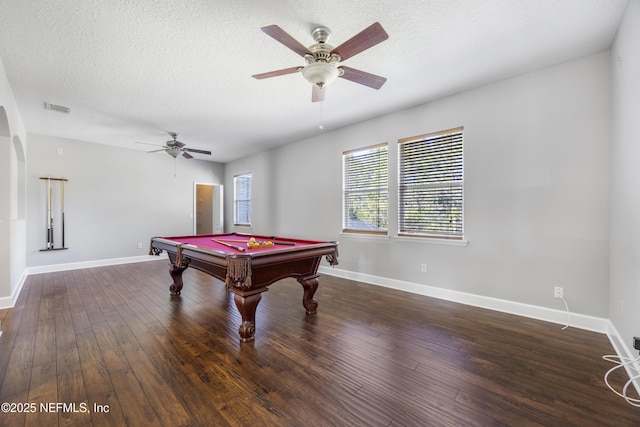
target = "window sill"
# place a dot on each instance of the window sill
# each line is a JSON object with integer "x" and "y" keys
{"x": 432, "y": 241}
{"x": 420, "y": 240}
{"x": 366, "y": 236}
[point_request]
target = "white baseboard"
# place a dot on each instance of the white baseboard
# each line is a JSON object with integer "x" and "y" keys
{"x": 560, "y": 317}
{"x": 576, "y": 320}
{"x": 10, "y": 301}
{"x": 580, "y": 321}
{"x": 89, "y": 264}
{"x": 624, "y": 351}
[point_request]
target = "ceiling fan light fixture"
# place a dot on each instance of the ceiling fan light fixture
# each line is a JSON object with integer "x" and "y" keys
{"x": 320, "y": 73}
{"x": 173, "y": 151}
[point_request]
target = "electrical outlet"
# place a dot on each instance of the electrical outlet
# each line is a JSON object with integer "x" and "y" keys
{"x": 139, "y": 245}
{"x": 423, "y": 268}
{"x": 558, "y": 292}
{"x": 636, "y": 343}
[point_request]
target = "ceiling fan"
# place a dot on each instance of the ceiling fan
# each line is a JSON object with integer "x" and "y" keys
{"x": 322, "y": 59}
{"x": 174, "y": 148}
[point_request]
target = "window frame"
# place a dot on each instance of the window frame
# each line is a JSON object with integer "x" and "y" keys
{"x": 379, "y": 189}
{"x": 431, "y": 183}
{"x": 237, "y": 200}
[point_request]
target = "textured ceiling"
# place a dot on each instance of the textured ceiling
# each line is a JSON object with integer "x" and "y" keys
{"x": 131, "y": 70}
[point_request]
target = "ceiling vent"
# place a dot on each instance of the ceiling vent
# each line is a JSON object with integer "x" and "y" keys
{"x": 57, "y": 108}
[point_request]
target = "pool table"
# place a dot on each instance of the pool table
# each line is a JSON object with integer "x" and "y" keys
{"x": 247, "y": 271}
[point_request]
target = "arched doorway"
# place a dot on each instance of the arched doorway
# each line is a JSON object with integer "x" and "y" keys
{"x": 6, "y": 155}
{"x": 12, "y": 211}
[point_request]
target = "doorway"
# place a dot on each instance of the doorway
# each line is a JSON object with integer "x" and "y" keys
{"x": 208, "y": 217}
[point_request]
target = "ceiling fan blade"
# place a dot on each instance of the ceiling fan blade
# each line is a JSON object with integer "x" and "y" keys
{"x": 186, "y": 155}
{"x": 193, "y": 150}
{"x": 277, "y": 73}
{"x": 365, "y": 39}
{"x": 155, "y": 151}
{"x": 283, "y": 37}
{"x": 317, "y": 93}
{"x": 363, "y": 77}
{"x": 146, "y": 143}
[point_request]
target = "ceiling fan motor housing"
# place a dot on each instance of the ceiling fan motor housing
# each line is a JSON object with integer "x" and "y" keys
{"x": 321, "y": 63}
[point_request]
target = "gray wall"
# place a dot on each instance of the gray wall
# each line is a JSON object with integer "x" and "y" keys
{"x": 624, "y": 294}
{"x": 536, "y": 190}
{"x": 115, "y": 198}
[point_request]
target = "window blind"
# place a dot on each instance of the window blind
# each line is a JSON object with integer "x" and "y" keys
{"x": 242, "y": 199}
{"x": 431, "y": 185}
{"x": 365, "y": 190}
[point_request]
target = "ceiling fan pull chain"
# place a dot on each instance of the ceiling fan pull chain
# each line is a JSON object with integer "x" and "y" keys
{"x": 321, "y": 127}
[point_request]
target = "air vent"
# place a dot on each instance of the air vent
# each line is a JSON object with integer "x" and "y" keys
{"x": 57, "y": 108}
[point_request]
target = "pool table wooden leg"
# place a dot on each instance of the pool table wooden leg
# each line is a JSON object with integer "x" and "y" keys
{"x": 247, "y": 305}
{"x": 310, "y": 284}
{"x": 176, "y": 275}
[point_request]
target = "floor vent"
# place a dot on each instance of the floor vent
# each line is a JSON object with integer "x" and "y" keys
{"x": 58, "y": 108}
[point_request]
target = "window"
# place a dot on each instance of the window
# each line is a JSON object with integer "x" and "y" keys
{"x": 242, "y": 199}
{"x": 430, "y": 185}
{"x": 365, "y": 190}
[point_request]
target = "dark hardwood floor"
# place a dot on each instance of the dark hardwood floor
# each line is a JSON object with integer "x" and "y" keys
{"x": 108, "y": 346}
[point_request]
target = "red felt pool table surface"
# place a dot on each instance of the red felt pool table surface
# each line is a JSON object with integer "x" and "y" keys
{"x": 247, "y": 271}
{"x": 212, "y": 242}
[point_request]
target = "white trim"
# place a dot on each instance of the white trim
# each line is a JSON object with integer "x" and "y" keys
{"x": 363, "y": 235}
{"x": 576, "y": 320}
{"x": 432, "y": 240}
{"x": 595, "y": 324}
{"x": 581, "y": 321}
{"x": 624, "y": 351}
{"x": 89, "y": 264}
{"x": 10, "y": 301}
{"x": 417, "y": 239}
{"x": 590, "y": 323}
